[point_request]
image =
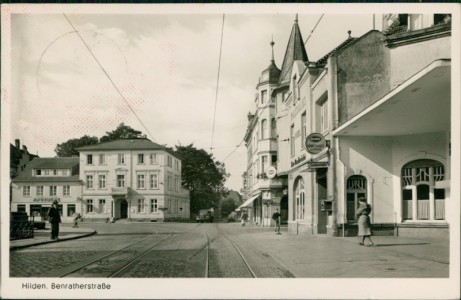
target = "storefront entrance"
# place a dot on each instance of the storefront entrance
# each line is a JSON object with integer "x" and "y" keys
{"x": 123, "y": 209}
{"x": 321, "y": 180}
{"x": 284, "y": 209}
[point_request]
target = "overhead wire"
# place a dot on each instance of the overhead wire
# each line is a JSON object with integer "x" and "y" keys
{"x": 108, "y": 76}
{"x": 217, "y": 84}
{"x": 312, "y": 31}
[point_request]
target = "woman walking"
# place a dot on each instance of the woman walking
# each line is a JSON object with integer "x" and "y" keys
{"x": 364, "y": 224}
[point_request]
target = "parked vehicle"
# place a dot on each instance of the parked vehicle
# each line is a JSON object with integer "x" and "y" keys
{"x": 205, "y": 215}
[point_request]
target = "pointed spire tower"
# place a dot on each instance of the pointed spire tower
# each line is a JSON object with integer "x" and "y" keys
{"x": 295, "y": 51}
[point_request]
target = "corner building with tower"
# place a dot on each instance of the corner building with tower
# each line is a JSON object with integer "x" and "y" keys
{"x": 369, "y": 119}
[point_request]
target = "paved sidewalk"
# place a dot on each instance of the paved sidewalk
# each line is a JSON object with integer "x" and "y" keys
{"x": 320, "y": 256}
{"x": 66, "y": 232}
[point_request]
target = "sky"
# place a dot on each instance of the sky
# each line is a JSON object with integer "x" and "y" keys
{"x": 164, "y": 63}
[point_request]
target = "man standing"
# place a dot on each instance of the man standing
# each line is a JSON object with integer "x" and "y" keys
{"x": 244, "y": 218}
{"x": 277, "y": 218}
{"x": 55, "y": 218}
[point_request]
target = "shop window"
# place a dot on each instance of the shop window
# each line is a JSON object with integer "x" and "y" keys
{"x": 300, "y": 199}
{"x": 89, "y": 205}
{"x": 420, "y": 199}
{"x": 70, "y": 210}
{"x": 356, "y": 188}
{"x": 21, "y": 208}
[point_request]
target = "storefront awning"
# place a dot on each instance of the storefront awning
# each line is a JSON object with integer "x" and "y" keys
{"x": 247, "y": 202}
{"x": 421, "y": 104}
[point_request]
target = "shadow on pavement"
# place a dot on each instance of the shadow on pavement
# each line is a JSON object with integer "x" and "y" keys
{"x": 407, "y": 244}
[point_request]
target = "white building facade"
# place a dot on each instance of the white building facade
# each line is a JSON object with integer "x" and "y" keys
{"x": 43, "y": 181}
{"x": 132, "y": 179}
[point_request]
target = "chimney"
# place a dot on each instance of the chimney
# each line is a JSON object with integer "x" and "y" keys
{"x": 17, "y": 143}
{"x": 24, "y": 148}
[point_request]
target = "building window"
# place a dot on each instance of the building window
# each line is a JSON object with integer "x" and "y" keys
{"x": 102, "y": 181}
{"x": 47, "y": 172}
{"x": 141, "y": 181}
{"x": 121, "y": 159}
{"x": 274, "y": 161}
{"x": 356, "y": 187}
{"x": 303, "y": 129}
{"x": 38, "y": 172}
{"x": 153, "y": 205}
{"x": 70, "y": 210}
{"x": 102, "y": 159}
{"x": 176, "y": 165}
{"x": 66, "y": 190}
{"x": 264, "y": 129}
{"x": 102, "y": 205}
{"x": 264, "y": 163}
{"x": 273, "y": 128}
{"x": 140, "y": 158}
{"x": 300, "y": 199}
{"x": 324, "y": 116}
{"x": 176, "y": 184}
{"x": 89, "y": 159}
{"x": 421, "y": 199}
{"x": 120, "y": 180}
{"x": 64, "y": 172}
{"x": 55, "y": 172}
{"x": 153, "y": 158}
{"x": 21, "y": 208}
{"x": 89, "y": 181}
{"x": 39, "y": 191}
{"x": 26, "y": 191}
{"x": 153, "y": 181}
{"x": 89, "y": 205}
{"x": 170, "y": 161}
{"x": 292, "y": 140}
{"x": 141, "y": 205}
{"x": 263, "y": 97}
{"x": 53, "y": 190}
{"x": 170, "y": 183}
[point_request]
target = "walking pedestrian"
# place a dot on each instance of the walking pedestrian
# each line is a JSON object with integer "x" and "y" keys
{"x": 244, "y": 218}
{"x": 277, "y": 218}
{"x": 54, "y": 217}
{"x": 364, "y": 224}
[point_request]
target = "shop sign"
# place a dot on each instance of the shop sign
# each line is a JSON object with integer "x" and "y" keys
{"x": 317, "y": 164}
{"x": 46, "y": 199}
{"x": 298, "y": 160}
{"x": 315, "y": 143}
{"x": 271, "y": 172}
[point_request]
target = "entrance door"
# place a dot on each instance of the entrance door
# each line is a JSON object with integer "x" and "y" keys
{"x": 284, "y": 209}
{"x": 123, "y": 209}
{"x": 321, "y": 178}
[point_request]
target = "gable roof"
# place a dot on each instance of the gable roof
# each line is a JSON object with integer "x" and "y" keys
{"x": 71, "y": 163}
{"x": 295, "y": 51}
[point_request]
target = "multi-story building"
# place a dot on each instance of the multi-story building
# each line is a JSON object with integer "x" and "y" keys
{"x": 19, "y": 157}
{"x": 133, "y": 179}
{"x": 44, "y": 180}
{"x": 369, "y": 119}
{"x": 263, "y": 189}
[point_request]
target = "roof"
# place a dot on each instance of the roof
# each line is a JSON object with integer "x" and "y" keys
{"x": 270, "y": 74}
{"x": 295, "y": 51}
{"x": 128, "y": 144}
{"x": 50, "y": 163}
{"x": 322, "y": 61}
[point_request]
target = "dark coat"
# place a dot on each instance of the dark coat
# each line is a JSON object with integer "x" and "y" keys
{"x": 53, "y": 215}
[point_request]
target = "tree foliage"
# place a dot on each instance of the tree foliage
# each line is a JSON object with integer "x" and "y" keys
{"x": 122, "y": 132}
{"x": 203, "y": 176}
{"x": 228, "y": 205}
{"x": 69, "y": 148}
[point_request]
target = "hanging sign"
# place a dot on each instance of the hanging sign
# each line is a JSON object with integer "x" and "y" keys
{"x": 315, "y": 143}
{"x": 271, "y": 172}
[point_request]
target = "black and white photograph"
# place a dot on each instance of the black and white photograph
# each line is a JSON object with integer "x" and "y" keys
{"x": 230, "y": 151}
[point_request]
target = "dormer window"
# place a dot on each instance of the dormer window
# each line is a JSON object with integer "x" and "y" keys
{"x": 38, "y": 172}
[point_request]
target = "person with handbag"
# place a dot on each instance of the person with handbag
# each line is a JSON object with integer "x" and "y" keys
{"x": 363, "y": 221}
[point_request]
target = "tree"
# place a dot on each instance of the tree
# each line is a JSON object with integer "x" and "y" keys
{"x": 203, "y": 176}
{"x": 68, "y": 148}
{"x": 228, "y": 205}
{"x": 122, "y": 132}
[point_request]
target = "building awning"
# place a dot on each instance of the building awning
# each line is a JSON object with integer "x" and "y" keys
{"x": 421, "y": 104}
{"x": 247, "y": 202}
